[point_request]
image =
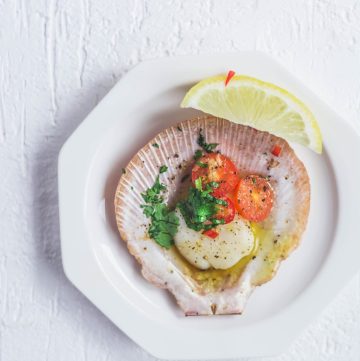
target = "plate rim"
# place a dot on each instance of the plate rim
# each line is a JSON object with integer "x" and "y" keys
{"x": 70, "y": 187}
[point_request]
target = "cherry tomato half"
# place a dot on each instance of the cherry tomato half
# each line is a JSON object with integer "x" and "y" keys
{"x": 254, "y": 198}
{"x": 214, "y": 167}
{"x": 227, "y": 213}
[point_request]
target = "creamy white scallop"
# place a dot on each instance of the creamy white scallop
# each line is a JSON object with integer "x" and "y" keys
{"x": 235, "y": 241}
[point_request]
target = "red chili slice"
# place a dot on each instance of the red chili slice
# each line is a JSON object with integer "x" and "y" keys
{"x": 230, "y": 74}
{"x": 211, "y": 233}
{"x": 276, "y": 150}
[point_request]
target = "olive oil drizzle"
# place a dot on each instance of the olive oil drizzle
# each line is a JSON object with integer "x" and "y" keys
{"x": 214, "y": 280}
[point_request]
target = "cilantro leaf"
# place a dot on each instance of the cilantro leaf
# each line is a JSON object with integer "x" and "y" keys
{"x": 163, "y": 169}
{"x": 198, "y": 154}
{"x": 201, "y": 165}
{"x": 200, "y": 207}
{"x": 152, "y": 195}
{"x": 208, "y": 147}
{"x": 164, "y": 222}
{"x": 198, "y": 184}
{"x": 164, "y": 225}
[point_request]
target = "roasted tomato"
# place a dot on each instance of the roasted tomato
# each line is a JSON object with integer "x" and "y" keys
{"x": 214, "y": 167}
{"x": 227, "y": 213}
{"x": 254, "y": 198}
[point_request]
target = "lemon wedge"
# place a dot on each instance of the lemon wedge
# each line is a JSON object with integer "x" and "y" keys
{"x": 261, "y": 105}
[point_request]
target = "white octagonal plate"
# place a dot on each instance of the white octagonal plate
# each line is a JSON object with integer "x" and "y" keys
{"x": 96, "y": 261}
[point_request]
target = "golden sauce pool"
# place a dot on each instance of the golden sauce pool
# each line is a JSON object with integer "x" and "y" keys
{"x": 212, "y": 280}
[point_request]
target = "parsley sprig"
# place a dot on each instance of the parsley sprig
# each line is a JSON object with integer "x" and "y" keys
{"x": 208, "y": 147}
{"x": 200, "y": 207}
{"x": 198, "y": 154}
{"x": 201, "y": 165}
{"x": 164, "y": 222}
{"x": 153, "y": 194}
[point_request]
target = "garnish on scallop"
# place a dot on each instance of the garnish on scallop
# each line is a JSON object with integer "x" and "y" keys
{"x": 215, "y": 221}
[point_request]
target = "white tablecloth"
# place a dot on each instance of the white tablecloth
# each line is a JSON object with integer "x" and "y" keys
{"x": 58, "y": 58}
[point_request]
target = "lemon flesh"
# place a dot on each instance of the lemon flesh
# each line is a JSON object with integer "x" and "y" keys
{"x": 261, "y": 105}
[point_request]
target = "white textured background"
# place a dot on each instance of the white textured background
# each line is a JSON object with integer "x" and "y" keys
{"x": 58, "y": 58}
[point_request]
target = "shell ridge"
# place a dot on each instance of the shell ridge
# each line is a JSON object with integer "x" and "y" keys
{"x": 140, "y": 178}
{"x": 245, "y": 146}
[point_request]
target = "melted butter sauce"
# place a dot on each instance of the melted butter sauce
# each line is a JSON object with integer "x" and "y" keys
{"x": 268, "y": 248}
{"x": 212, "y": 280}
{"x": 266, "y": 243}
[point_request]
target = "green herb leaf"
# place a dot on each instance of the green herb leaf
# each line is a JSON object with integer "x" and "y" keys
{"x": 200, "y": 207}
{"x": 213, "y": 184}
{"x": 164, "y": 225}
{"x": 198, "y": 184}
{"x": 215, "y": 222}
{"x": 208, "y": 147}
{"x": 221, "y": 202}
{"x": 198, "y": 154}
{"x": 163, "y": 169}
{"x": 202, "y": 165}
{"x": 152, "y": 195}
{"x": 164, "y": 222}
{"x": 155, "y": 145}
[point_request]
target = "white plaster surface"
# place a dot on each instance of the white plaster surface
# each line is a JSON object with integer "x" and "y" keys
{"x": 58, "y": 58}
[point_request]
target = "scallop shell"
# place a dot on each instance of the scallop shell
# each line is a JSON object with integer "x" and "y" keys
{"x": 213, "y": 292}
